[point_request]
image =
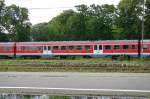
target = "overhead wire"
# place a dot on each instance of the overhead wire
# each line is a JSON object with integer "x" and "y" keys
{"x": 50, "y": 8}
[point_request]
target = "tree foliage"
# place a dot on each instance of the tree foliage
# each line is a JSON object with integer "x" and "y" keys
{"x": 94, "y": 22}
{"x": 40, "y": 32}
{"x": 147, "y": 20}
{"x": 129, "y": 18}
{"x": 58, "y": 27}
{"x": 87, "y": 23}
{"x": 2, "y": 8}
{"x": 15, "y": 21}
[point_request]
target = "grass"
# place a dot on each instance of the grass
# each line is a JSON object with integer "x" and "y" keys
{"x": 93, "y": 60}
{"x": 74, "y": 65}
{"x": 80, "y": 60}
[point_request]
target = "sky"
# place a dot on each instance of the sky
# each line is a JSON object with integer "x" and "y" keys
{"x": 45, "y": 10}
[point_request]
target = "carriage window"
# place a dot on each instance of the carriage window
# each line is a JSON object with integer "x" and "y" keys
{"x": 63, "y": 47}
{"x": 87, "y": 47}
{"x": 1, "y": 48}
{"x": 100, "y": 47}
{"x": 107, "y": 46}
{"x": 18, "y": 48}
{"x": 95, "y": 47}
{"x": 32, "y": 48}
{"x": 145, "y": 46}
{"x": 45, "y": 48}
{"x": 79, "y": 47}
{"x": 125, "y": 46}
{"x": 133, "y": 47}
{"x": 23, "y": 48}
{"x": 7, "y": 48}
{"x": 71, "y": 47}
{"x": 55, "y": 47}
{"x": 49, "y": 47}
{"x": 39, "y": 47}
{"x": 116, "y": 46}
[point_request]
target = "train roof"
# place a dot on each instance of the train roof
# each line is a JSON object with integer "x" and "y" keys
{"x": 7, "y": 43}
{"x": 86, "y": 41}
{"x": 105, "y": 42}
{"x": 56, "y": 43}
{"x": 53, "y": 43}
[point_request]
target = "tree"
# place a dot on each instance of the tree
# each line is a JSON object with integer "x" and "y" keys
{"x": 58, "y": 26}
{"x": 83, "y": 11}
{"x": 2, "y": 7}
{"x": 129, "y": 18}
{"x": 147, "y": 20}
{"x": 100, "y": 21}
{"x": 3, "y": 36}
{"x": 88, "y": 23}
{"x": 97, "y": 22}
{"x": 40, "y": 32}
{"x": 17, "y": 23}
{"x": 74, "y": 27}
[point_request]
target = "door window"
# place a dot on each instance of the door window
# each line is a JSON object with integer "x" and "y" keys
{"x": 95, "y": 47}
{"x": 100, "y": 47}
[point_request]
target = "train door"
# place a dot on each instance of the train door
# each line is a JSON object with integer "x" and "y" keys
{"x": 47, "y": 50}
{"x": 98, "y": 49}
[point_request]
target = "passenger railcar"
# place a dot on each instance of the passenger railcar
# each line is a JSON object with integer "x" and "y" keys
{"x": 50, "y": 49}
{"x": 7, "y": 50}
{"x": 74, "y": 48}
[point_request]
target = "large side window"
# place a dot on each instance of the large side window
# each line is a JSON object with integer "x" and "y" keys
{"x": 23, "y": 48}
{"x": 79, "y": 47}
{"x": 33, "y": 48}
{"x": 63, "y": 47}
{"x": 133, "y": 47}
{"x": 71, "y": 47}
{"x": 116, "y": 46}
{"x": 145, "y": 46}
{"x": 125, "y": 46}
{"x": 39, "y": 47}
{"x": 55, "y": 47}
{"x": 1, "y": 48}
{"x": 107, "y": 47}
{"x": 18, "y": 48}
{"x": 7, "y": 48}
{"x": 87, "y": 47}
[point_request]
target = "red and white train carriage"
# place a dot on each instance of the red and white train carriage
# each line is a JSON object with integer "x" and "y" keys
{"x": 74, "y": 48}
{"x": 7, "y": 49}
{"x": 50, "y": 49}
